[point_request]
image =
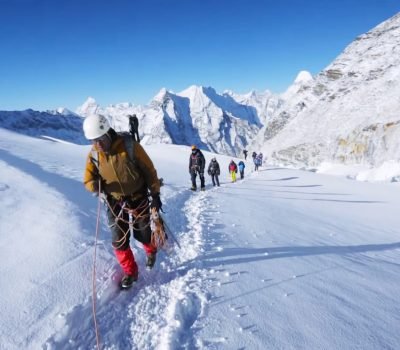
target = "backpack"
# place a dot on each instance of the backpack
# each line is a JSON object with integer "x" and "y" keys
{"x": 128, "y": 143}
{"x": 213, "y": 168}
{"x": 232, "y": 167}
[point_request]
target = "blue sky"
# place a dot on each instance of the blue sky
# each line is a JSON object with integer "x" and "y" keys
{"x": 58, "y": 52}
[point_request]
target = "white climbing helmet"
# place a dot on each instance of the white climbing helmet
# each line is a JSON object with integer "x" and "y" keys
{"x": 95, "y": 126}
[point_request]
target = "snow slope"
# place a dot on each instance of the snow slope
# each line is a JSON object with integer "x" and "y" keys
{"x": 283, "y": 259}
{"x": 348, "y": 113}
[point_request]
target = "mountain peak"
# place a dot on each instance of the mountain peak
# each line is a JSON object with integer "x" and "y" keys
{"x": 303, "y": 77}
{"x": 61, "y": 110}
{"x": 192, "y": 91}
{"x": 160, "y": 96}
{"x": 90, "y": 101}
{"x": 90, "y": 106}
{"x": 251, "y": 93}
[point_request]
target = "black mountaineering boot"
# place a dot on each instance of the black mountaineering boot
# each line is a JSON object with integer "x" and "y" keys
{"x": 151, "y": 260}
{"x": 128, "y": 280}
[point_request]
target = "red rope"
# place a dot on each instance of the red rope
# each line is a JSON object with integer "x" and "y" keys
{"x": 94, "y": 270}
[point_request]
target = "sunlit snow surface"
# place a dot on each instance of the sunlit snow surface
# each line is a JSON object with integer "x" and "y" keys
{"x": 285, "y": 259}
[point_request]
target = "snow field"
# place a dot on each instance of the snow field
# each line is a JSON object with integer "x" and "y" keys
{"x": 287, "y": 258}
{"x": 178, "y": 301}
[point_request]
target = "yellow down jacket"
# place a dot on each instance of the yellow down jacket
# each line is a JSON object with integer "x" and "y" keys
{"x": 121, "y": 177}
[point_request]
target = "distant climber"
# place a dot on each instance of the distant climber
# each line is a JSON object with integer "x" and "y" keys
{"x": 232, "y": 170}
{"x": 241, "y": 167}
{"x": 134, "y": 127}
{"x": 214, "y": 171}
{"x": 258, "y": 160}
{"x": 197, "y": 164}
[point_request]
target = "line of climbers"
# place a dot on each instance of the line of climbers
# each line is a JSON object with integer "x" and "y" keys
{"x": 120, "y": 171}
{"x": 197, "y": 164}
{"x": 257, "y": 159}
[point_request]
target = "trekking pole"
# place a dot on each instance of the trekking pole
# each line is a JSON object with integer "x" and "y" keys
{"x": 94, "y": 271}
{"x": 169, "y": 232}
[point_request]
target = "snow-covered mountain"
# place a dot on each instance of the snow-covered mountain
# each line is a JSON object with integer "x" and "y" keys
{"x": 265, "y": 103}
{"x": 60, "y": 124}
{"x": 224, "y": 123}
{"x": 89, "y": 107}
{"x": 349, "y": 113}
{"x": 61, "y": 110}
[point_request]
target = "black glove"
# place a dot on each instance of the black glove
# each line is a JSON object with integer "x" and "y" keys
{"x": 156, "y": 202}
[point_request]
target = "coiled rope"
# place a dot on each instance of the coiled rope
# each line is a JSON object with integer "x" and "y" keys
{"x": 158, "y": 235}
{"x": 139, "y": 213}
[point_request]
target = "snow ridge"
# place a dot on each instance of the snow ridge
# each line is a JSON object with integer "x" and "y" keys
{"x": 348, "y": 113}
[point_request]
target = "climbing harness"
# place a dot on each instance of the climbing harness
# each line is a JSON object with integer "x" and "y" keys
{"x": 135, "y": 216}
